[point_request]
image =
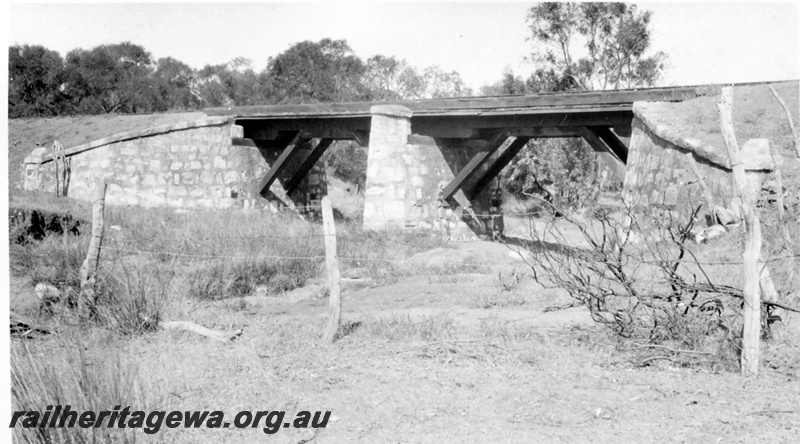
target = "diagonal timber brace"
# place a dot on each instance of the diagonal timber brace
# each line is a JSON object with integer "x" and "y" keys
{"x": 612, "y": 141}
{"x": 494, "y": 169}
{"x": 474, "y": 164}
{"x": 281, "y": 163}
{"x": 308, "y": 163}
{"x": 599, "y": 145}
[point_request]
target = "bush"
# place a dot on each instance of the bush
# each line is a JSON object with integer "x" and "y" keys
{"x": 132, "y": 300}
{"x": 242, "y": 277}
{"x": 348, "y": 161}
{"x": 641, "y": 276}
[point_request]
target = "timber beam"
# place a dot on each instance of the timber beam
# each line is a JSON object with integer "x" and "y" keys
{"x": 465, "y": 126}
{"x": 545, "y": 132}
{"x": 309, "y": 162}
{"x": 474, "y": 164}
{"x": 333, "y": 127}
{"x": 494, "y": 169}
{"x": 290, "y": 150}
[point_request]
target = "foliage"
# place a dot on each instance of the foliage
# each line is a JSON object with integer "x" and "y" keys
{"x": 348, "y": 161}
{"x": 172, "y": 86}
{"x": 562, "y": 169}
{"x": 391, "y": 79}
{"x": 442, "y": 84}
{"x": 109, "y": 78}
{"x": 123, "y": 78}
{"x": 615, "y": 36}
{"x": 578, "y": 46}
{"x": 324, "y": 71}
{"x": 35, "y": 75}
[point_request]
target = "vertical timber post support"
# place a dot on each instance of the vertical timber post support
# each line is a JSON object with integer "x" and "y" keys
{"x": 751, "y": 336}
{"x": 88, "y": 272}
{"x": 332, "y": 263}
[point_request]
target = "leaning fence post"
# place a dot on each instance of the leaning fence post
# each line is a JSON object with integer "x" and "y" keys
{"x": 752, "y": 303}
{"x": 795, "y": 141}
{"x": 88, "y": 272}
{"x": 332, "y": 262}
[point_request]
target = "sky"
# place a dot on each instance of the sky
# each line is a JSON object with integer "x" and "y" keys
{"x": 706, "y": 43}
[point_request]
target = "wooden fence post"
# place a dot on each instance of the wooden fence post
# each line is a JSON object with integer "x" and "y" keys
{"x": 334, "y": 276}
{"x": 791, "y": 122}
{"x": 751, "y": 336}
{"x": 88, "y": 272}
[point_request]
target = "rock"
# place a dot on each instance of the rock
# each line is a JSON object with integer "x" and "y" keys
{"x": 356, "y": 284}
{"x": 725, "y": 216}
{"x": 356, "y": 273}
{"x": 756, "y": 155}
{"x": 311, "y": 291}
{"x": 709, "y": 233}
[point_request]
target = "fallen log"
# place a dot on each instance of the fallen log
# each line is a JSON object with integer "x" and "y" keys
{"x": 216, "y": 335}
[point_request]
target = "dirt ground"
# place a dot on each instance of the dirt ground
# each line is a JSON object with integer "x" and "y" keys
{"x": 503, "y": 373}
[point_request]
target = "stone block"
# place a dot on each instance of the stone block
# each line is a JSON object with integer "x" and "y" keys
{"x": 175, "y": 202}
{"x": 219, "y": 162}
{"x": 230, "y": 177}
{"x": 207, "y": 177}
{"x": 128, "y": 149}
{"x": 394, "y": 210}
{"x": 36, "y": 156}
{"x": 391, "y": 111}
{"x": 756, "y": 155}
{"x": 177, "y": 191}
{"x": 375, "y": 191}
{"x": 393, "y": 173}
{"x": 237, "y": 131}
{"x": 155, "y": 165}
{"x": 175, "y": 166}
{"x": 195, "y": 165}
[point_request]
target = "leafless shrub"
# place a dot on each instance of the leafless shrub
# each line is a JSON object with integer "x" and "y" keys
{"x": 638, "y": 272}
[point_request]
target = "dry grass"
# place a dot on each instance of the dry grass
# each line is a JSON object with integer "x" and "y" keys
{"x": 403, "y": 328}
{"x": 84, "y": 381}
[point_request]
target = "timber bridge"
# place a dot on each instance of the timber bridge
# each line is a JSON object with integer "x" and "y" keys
{"x": 429, "y": 157}
{"x": 431, "y": 163}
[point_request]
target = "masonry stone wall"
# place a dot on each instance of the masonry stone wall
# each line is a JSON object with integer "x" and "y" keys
{"x": 190, "y": 165}
{"x": 407, "y": 173}
{"x": 659, "y": 172}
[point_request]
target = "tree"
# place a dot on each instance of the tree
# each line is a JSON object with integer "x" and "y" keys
{"x": 172, "y": 80}
{"x": 388, "y": 78}
{"x": 109, "y": 78}
{"x": 616, "y": 38}
{"x": 324, "y": 71}
{"x": 35, "y": 74}
{"x": 442, "y": 84}
{"x": 578, "y": 46}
